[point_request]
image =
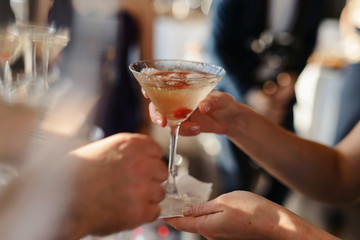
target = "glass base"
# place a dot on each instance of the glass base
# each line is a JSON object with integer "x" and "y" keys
{"x": 173, "y": 204}
{"x": 190, "y": 191}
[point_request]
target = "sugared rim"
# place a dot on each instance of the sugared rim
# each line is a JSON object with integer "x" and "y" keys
{"x": 220, "y": 73}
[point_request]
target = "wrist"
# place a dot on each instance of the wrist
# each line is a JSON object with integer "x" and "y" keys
{"x": 291, "y": 226}
{"x": 239, "y": 121}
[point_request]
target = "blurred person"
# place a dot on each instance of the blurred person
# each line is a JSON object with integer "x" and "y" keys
{"x": 61, "y": 193}
{"x": 101, "y": 188}
{"x": 327, "y": 174}
{"x": 105, "y": 37}
{"x": 6, "y": 14}
{"x": 263, "y": 46}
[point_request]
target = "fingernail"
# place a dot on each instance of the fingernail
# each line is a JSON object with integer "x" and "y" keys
{"x": 159, "y": 122}
{"x": 187, "y": 211}
{"x": 195, "y": 129}
{"x": 206, "y": 106}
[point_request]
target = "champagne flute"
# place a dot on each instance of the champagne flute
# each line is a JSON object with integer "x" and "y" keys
{"x": 42, "y": 45}
{"x": 53, "y": 46}
{"x": 10, "y": 49}
{"x": 176, "y": 88}
{"x": 35, "y": 38}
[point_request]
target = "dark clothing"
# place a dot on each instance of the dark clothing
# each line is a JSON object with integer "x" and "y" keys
{"x": 242, "y": 42}
{"x": 349, "y": 109}
{"x": 6, "y": 14}
{"x": 237, "y": 23}
{"x": 99, "y": 52}
{"x": 98, "y": 55}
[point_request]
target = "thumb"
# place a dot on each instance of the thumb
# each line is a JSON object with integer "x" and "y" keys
{"x": 216, "y": 100}
{"x": 156, "y": 116}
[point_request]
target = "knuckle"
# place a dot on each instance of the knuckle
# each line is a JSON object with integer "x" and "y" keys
{"x": 141, "y": 189}
{"x": 198, "y": 209}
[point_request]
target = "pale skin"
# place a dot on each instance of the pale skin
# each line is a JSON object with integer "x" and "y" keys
{"x": 125, "y": 183}
{"x": 115, "y": 186}
{"x": 295, "y": 161}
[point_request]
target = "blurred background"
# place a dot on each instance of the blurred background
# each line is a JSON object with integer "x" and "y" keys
{"x": 316, "y": 44}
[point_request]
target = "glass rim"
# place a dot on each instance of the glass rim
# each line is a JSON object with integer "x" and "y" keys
{"x": 36, "y": 27}
{"x": 33, "y": 30}
{"x": 220, "y": 73}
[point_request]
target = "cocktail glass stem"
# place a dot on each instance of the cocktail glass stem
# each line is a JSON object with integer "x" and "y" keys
{"x": 7, "y": 75}
{"x": 46, "y": 63}
{"x": 6, "y": 79}
{"x": 34, "y": 62}
{"x": 28, "y": 55}
{"x": 2, "y": 81}
{"x": 170, "y": 185}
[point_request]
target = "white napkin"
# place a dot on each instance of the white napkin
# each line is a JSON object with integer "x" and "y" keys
{"x": 192, "y": 191}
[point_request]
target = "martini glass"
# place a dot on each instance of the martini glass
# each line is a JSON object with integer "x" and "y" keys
{"x": 176, "y": 88}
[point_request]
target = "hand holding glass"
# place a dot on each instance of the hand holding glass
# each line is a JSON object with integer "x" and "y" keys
{"x": 176, "y": 88}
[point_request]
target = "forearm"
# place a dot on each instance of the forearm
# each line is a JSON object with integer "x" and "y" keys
{"x": 42, "y": 196}
{"x": 291, "y": 226}
{"x": 308, "y": 167}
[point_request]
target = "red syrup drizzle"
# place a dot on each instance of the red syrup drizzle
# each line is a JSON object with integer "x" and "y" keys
{"x": 181, "y": 113}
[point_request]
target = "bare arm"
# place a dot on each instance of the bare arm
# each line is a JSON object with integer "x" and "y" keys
{"x": 320, "y": 172}
{"x": 323, "y": 173}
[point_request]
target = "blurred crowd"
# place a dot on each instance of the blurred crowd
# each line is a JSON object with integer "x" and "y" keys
{"x": 85, "y": 158}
